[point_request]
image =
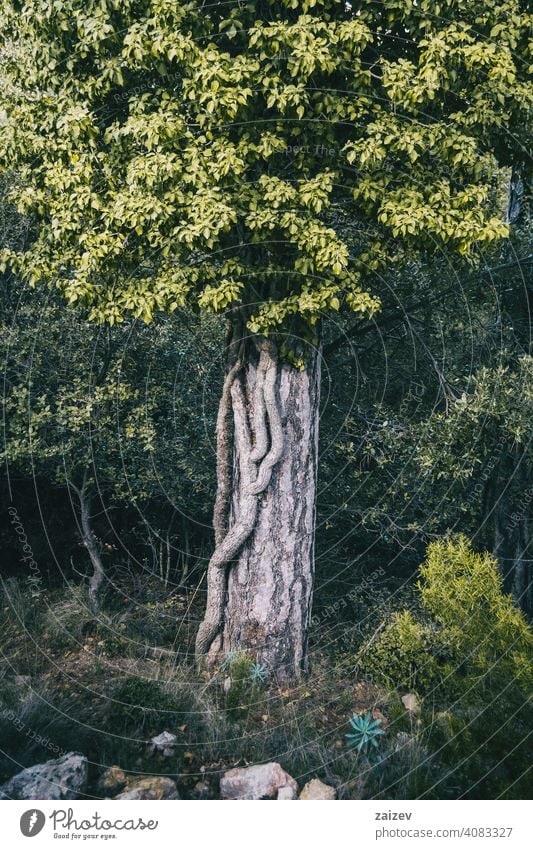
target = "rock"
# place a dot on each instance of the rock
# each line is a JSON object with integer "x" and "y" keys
{"x": 112, "y": 781}
{"x": 286, "y": 793}
{"x": 316, "y": 789}
{"x": 150, "y": 787}
{"x": 202, "y": 790}
{"x": 264, "y": 781}
{"x": 64, "y": 778}
{"x": 411, "y": 703}
{"x": 163, "y": 744}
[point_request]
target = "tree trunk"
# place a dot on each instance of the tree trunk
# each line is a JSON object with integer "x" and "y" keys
{"x": 510, "y": 509}
{"x": 260, "y": 588}
{"x": 89, "y": 540}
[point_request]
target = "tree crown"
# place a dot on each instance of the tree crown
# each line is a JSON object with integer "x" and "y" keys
{"x": 271, "y": 155}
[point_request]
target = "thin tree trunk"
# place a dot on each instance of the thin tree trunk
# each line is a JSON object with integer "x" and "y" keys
{"x": 260, "y": 579}
{"x": 511, "y": 543}
{"x": 89, "y": 540}
{"x": 97, "y": 578}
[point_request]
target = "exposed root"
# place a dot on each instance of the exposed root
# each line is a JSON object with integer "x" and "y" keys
{"x": 229, "y": 547}
{"x": 223, "y": 434}
{"x": 229, "y": 542}
{"x": 274, "y": 422}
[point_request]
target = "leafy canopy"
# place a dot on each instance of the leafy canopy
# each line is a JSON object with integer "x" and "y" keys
{"x": 175, "y": 153}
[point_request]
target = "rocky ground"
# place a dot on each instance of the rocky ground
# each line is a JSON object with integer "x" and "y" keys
{"x": 67, "y": 778}
{"x": 116, "y": 709}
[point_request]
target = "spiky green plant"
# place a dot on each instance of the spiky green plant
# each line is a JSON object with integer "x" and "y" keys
{"x": 230, "y": 657}
{"x": 366, "y": 732}
{"x": 258, "y": 673}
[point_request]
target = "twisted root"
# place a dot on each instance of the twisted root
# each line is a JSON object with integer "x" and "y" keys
{"x": 229, "y": 547}
{"x": 274, "y": 422}
{"x": 229, "y": 542}
{"x": 260, "y": 420}
{"x": 221, "y": 508}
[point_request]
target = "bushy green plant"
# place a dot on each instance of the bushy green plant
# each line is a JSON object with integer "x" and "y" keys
{"x": 244, "y": 676}
{"x": 468, "y": 635}
{"x": 463, "y": 592}
{"x": 404, "y": 654}
{"x": 469, "y": 648}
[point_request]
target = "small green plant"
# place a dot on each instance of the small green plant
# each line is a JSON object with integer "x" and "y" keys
{"x": 228, "y": 660}
{"x": 245, "y": 675}
{"x": 240, "y": 665}
{"x": 366, "y": 732}
{"x": 258, "y": 673}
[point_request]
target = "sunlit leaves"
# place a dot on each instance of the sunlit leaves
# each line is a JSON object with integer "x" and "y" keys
{"x": 154, "y": 143}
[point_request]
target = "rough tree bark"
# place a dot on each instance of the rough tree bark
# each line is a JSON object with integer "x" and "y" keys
{"x": 260, "y": 577}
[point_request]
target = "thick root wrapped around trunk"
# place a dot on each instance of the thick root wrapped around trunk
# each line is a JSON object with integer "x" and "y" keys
{"x": 260, "y": 577}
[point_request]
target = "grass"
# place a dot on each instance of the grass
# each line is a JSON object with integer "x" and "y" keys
{"x": 106, "y": 687}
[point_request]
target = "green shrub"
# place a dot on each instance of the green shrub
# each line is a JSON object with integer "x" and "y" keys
{"x": 404, "y": 655}
{"x": 141, "y": 706}
{"x": 469, "y": 648}
{"x": 463, "y": 592}
{"x": 468, "y": 635}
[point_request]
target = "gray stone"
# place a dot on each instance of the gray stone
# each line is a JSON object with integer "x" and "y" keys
{"x": 64, "y": 778}
{"x": 150, "y": 787}
{"x": 264, "y": 781}
{"x": 163, "y": 744}
{"x": 112, "y": 781}
{"x": 316, "y": 789}
{"x": 411, "y": 703}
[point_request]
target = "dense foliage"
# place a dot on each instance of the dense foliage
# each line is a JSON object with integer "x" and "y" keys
{"x": 171, "y": 154}
{"x": 165, "y": 165}
{"x": 467, "y": 636}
